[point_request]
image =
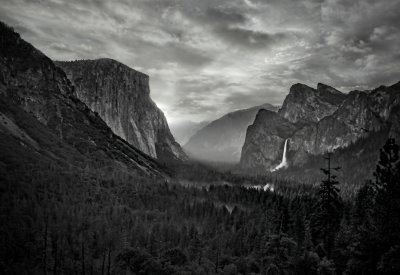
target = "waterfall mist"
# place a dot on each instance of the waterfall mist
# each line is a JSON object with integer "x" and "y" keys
{"x": 283, "y": 163}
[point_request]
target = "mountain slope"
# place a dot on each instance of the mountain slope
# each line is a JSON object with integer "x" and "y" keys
{"x": 121, "y": 96}
{"x": 183, "y": 131}
{"x": 41, "y": 114}
{"x": 222, "y": 139}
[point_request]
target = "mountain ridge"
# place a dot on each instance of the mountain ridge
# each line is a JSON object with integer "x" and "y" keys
{"x": 183, "y": 131}
{"x": 305, "y": 105}
{"x": 221, "y": 140}
{"x": 351, "y": 117}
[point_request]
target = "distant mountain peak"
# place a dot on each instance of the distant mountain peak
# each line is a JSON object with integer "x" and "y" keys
{"x": 265, "y": 113}
{"x": 305, "y": 105}
{"x": 321, "y": 87}
{"x": 299, "y": 85}
{"x": 222, "y": 139}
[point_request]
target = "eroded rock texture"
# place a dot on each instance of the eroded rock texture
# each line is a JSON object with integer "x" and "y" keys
{"x": 41, "y": 114}
{"x": 304, "y": 104}
{"x": 121, "y": 96}
{"x": 265, "y": 140}
{"x": 322, "y": 120}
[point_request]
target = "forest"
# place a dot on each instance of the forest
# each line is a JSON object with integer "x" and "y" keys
{"x": 56, "y": 220}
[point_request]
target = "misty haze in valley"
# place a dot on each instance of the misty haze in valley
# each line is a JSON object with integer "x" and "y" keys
{"x": 200, "y": 137}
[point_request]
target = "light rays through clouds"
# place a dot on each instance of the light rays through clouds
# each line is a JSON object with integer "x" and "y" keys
{"x": 206, "y": 58}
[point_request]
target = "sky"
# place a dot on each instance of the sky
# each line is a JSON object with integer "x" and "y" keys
{"x": 206, "y": 57}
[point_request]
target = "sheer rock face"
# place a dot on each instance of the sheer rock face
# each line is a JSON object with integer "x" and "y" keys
{"x": 307, "y": 105}
{"x": 265, "y": 140}
{"x": 30, "y": 83}
{"x": 222, "y": 139}
{"x": 328, "y": 120}
{"x": 121, "y": 96}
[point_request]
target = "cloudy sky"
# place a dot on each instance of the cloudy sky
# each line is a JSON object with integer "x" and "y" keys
{"x": 208, "y": 57}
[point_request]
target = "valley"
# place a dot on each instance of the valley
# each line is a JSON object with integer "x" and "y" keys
{"x": 92, "y": 180}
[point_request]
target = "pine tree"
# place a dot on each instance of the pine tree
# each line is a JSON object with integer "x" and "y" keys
{"x": 376, "y": 248}
{"x": 387, "y": 208}
{"x": 328, "y": 209}
{"x": 279, "y": 254}
{"x": 387, "y": 177}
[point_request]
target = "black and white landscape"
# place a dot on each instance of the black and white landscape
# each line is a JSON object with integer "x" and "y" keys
{"x": 200, "y": 137}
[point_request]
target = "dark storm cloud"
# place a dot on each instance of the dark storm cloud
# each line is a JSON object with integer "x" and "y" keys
{"x": 152, "y": 55}
{"x": 225, "y": 16}
{"x": 250, "y": 39}
{"x": 208, "y": 57}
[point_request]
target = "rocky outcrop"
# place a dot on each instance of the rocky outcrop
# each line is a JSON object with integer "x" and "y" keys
{"x": 307, "y": 105}
{"x": 328, "y": 120}
{"x": 350, "y": 122}
{"x": 31, "y": 86}
{"x": 269, "y": 130}
{"x": 121, "y": 96}
{"x": 222, "y": 139}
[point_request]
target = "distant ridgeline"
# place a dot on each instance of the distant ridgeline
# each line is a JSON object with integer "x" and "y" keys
{"x": 316, "y": 121}
{"x": 222, "y": 139}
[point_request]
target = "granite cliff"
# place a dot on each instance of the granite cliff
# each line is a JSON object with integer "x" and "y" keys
{"x": 222, "y": 139}
{"x": 41, "y": 116}
{"x": 121, "y": 97}
{"x": 305, "y": 105}
{"x": 321, "y": 120}
{"x": 271, "y": 130}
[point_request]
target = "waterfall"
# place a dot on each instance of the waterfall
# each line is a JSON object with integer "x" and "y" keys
{"x": 283, "y": 163}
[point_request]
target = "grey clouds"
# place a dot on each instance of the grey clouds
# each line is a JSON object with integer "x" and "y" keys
{"x": 206, "y": 58}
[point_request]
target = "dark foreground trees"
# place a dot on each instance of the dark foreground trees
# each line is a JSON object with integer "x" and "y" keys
{"x": 57, "y": 221}
{"x": 327, "y": 215}
{"x": 376, "y": 245}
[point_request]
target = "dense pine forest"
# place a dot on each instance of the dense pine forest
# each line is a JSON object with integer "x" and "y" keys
{"x": 56, "y": 220}
{"x": 200, "y": 137}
